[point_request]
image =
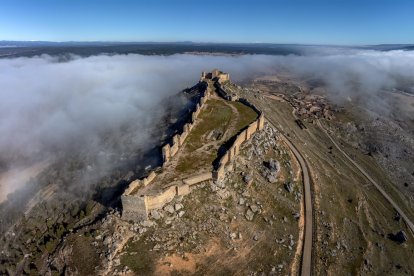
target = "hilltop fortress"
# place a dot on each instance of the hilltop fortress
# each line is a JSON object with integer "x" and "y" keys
{"x": 221, "y": 120}
{"x": 215, "y": 75}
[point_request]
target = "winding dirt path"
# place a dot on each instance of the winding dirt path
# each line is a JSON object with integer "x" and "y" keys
{"x": 409, "y": 223}
{"x": 306, "y": 265}
{"x": 232, "y": 126}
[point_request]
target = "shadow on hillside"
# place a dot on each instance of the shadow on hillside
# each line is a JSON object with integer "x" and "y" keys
{"x": 110, "y": 196}
{"x": 225, "y": 147}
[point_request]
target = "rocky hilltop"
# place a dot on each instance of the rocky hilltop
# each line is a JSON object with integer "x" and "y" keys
{"x": 260, "y": 179}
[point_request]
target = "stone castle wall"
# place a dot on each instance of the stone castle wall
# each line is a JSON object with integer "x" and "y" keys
{"x": 245, "y": 135}
{"x": 198, "y": 178}
{"x": 134, "y": 208}
{"x": 132, "y": 186}
{"x": 168, "y": 151}
{"x": 159, "y": 200}
{"x": 136, "y": 184}
{"x": 137, "y": 207}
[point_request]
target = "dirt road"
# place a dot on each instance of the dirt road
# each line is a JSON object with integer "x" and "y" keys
{"x": 379, "y": 188}
{"x": 306, "y": 265}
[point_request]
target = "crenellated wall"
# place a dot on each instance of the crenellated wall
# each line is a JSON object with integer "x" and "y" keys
{"x": 198, "y": 178}
{"x": 243, "y": 136}
{"x": 137, "y": 206}
{"x": 168, "y": 151}
{"x": 159, "y": 200}
{"x": 149, "y": 178}
{"x": 132, "y": 186}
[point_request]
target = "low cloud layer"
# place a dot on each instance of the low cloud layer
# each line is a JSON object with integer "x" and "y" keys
{"x": 48, "y": 104}
{"x": 108, "y": 105}
{"x": 357, "y": 72}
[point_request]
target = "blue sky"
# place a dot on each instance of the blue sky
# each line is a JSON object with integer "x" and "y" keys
{"x": 286, "y": 21}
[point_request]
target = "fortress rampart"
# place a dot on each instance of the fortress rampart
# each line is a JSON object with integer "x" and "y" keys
{"x": 159, "y": 200}
{"x": 168, "y": 151}
{"x": 137, "y": 205}
{"x": 233, "y": 151}
{"x": 243, "y": 136}
{"x": 224, "y": 94}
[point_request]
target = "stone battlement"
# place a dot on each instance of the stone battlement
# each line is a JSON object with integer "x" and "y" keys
{"x": 215, "y": 75}
{"x": 138, "y": 202}
{"x": 233, "y": 151}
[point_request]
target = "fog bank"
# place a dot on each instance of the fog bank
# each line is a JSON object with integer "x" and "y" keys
{"x": 54, "y": 104}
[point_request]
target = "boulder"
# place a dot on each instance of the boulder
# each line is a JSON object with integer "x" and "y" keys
{"x": 155, "y": 214}
{"x": 169, "y": 208}
{"x": 248, "y": 178}
{"x": 107, "y": 240}
{"x": 288, "y": 186}
{"x": 168, "y": 220}
{"x": 178, "y": 206}
{"x": 254, "y": 208}
{"x": 271, "y": 178}
{"x": 220, "y": 184}
{"x": 296, "y": 216}
{"x": 249, "y": 215}
{"x": 273, "y": 165}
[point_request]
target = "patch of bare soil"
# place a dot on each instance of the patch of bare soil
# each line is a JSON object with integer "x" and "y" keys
{"x": 178, "y": 264}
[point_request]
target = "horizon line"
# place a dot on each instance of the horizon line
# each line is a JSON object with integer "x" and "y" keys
{"x": 200, "y": 42}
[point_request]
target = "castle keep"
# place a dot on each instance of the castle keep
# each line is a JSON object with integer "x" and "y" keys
{"x": 215, "y": 75}
{"x": 177, "y": 175}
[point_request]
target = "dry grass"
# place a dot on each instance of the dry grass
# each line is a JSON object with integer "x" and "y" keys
{"x": 139, "y": 256}
{"x": 246, "y": 114}
{"x": 217, "y": 115}
{"x": 84, "y": 256}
